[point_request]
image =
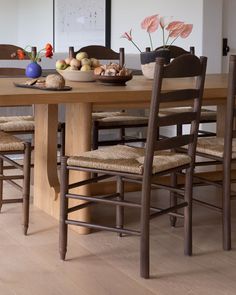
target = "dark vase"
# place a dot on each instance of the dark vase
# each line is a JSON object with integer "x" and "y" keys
{"x": 148, "y": 61}
{"x": 33, "y": 70}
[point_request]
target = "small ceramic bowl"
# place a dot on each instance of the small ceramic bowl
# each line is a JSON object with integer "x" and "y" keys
{"x": 74, "y": 75}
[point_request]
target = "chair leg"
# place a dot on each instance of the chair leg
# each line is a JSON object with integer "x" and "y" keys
{"x": 188, "y": 212}
{"x": 226, "y": 210}
{"x": 179, "y": 129}
{"x": 120, "y": 209}
{"x": 62, "y": 139}
{"x": 26, "y": 187}
{"x": 63, "y": 227}
{"x": 122, "y": 135}
{"x": 145, "y": 229}
{"x": 1, "y": 183}
{"x": 95, "y": 135}
{"x": 173, "y": 198}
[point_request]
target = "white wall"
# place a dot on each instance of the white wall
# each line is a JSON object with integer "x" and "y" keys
{"x": 8, "y": 21}
{"x": 212, "y": 34}
{"x": 34, "y": 23}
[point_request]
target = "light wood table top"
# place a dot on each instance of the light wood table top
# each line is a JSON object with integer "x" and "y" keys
{"x": 137, "y": 90}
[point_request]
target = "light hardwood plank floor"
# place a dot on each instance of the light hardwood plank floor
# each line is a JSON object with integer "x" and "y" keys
{"x": 104, "y": 264}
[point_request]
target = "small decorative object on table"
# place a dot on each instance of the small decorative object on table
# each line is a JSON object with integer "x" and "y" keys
{"x": 175, "y": 29}
{"x": 112, "y": 74}
{"x": 34, "y": 70}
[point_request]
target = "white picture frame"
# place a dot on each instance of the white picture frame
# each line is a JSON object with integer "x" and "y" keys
{"x": 80, "y": 23}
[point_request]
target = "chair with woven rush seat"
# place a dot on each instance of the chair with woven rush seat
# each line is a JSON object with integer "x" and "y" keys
{"x": 222, "y": 150}
{"x": 111, "y": 120}
{"x": 10, "y": 146}
{"x": 141, "y": 165}
{"x": 20, "y": 124}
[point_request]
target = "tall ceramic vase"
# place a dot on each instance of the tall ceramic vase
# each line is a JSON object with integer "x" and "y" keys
{"x": 33, "y": 70}
{"x": 148, "y": 61}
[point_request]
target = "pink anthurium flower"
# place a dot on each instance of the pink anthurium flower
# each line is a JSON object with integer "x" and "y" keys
{"x": 165, "y": 20}
{"x": 150, "y": 24}
{"x": 176, "y": 32}
{"x": 186, "y": 30}
{"x": 128, "y": 36}
{"x": 174, "y": 25}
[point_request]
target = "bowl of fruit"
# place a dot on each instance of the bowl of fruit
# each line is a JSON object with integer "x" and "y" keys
{"x": 81, "y": 68}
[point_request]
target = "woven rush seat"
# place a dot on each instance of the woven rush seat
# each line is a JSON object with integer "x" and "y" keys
{"x": 127, "y": 159}
{"x": 214, "y": 146}
{"x": 101, "y": 115}
{"x": 17, "y": 123}
{"x": 206, "y": 114}
{"x": 123, "y": 120}
{"x": 10, "y": 143}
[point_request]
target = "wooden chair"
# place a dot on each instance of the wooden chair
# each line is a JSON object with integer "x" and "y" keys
{"x": 222, "y": 151}
{"x": 141, "y": 165}
{"x": 111, "y": 120}
{"x": 20, "y": 124}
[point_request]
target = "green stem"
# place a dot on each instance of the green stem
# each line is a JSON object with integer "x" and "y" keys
{"x": 163, "y": 38}
{"x": 150, "y": 38}
{"x": 174, "y": 40}
{"x": 136, "y": 46}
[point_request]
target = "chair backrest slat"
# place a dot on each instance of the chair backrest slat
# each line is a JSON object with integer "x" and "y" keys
{"x": 174, "y": 142}
{"x": 183, "y": 94}
{"x": 177, "y": 118}
{"x": 101, "y": 52}
{"x": 6, "y": 51}
{"x": 181, "y": 68}
{"x": 176, "y": 51}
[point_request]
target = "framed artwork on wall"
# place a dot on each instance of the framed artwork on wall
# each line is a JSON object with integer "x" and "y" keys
{"x": 80, "y": 23}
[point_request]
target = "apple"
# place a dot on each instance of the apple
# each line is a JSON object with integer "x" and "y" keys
{"x": 61, "y": 64}
{"x": 85, "y": 61}
{"x": 75, "y": 63}
{"x": 68, "y": 60}
{"x": 81, "y": 55}
{"x": 94, "y": 62}
{"x": 85, "y": 68}
{"x": 74, "y": 68}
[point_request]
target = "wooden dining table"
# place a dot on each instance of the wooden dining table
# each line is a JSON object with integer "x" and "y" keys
{"x": 80, "y": 101}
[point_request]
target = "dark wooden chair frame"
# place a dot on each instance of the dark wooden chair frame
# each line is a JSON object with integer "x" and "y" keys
{"x": 184, "y": 66}
{"x": 11, "y": 179}
{"x": 225, "y": 162}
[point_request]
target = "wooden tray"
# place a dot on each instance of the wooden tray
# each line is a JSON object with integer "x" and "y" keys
{"x": 41, "y": 87}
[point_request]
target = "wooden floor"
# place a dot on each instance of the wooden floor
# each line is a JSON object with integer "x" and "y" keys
{"x": 103, "y": 264}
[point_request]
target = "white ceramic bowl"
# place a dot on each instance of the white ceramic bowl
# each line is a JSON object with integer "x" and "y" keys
{"x": 74, "y": 75}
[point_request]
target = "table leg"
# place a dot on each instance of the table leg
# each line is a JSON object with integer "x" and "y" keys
{"x": 46, "y": 183}
{"x": 78, "y": 139}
